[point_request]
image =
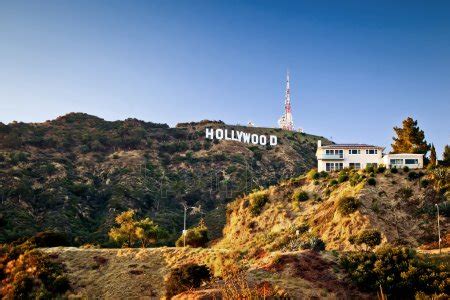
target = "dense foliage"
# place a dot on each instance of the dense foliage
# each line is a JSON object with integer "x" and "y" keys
{"x": 399, "y": 271}
{"x": 410, "y": 138}
{"x": 194, "y": 237}
{"x": 185, "y": 278}
{"x": 131, "y": 232}
{"x": 27, "y": 273}
{"x": 347, "y": 205}
{"x": 75, "y": 173}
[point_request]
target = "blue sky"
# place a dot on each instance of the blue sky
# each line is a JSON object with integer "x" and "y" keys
{"x": 358, "y": 68}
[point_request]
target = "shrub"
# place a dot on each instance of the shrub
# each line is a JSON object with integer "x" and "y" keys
{"x": 347, "y": 205}
{"x": 313, "y": 174}
{"x": 394, "y": 170}
{"x": 333, "y": 182}
{"x": 50, "y": 239}
{"x": 317, "y": 244}
{"x": 355, "y": 179}
{"x": 413, "y": 175}
{"x": 32, "y": 275}
{"x": 324, "y": 174}
{"x": 342, "y": 178}
{"x": 186, "y": 277}
{"x": 195, "y": 237}
{"x": 399, "y": 271}
{"x": 371, "y": 238}
{"x": 371, "y": 181}
{"x": 381, "y": 169}
{"x": 405, "y": 169}
{"x": 300, "y": 195}
{"x": 370, "y": 168}
{"x": 424, "y": 183}
{"x": 257, "y": 201}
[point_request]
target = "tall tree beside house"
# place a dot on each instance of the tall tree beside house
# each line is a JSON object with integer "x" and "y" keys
{"x": 410, "y": 138}
{"x": 446, "y": 155}
{"x": 433, "y": 158}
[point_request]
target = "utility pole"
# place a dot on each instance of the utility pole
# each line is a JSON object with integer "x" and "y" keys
{"x": 439, "y": 229}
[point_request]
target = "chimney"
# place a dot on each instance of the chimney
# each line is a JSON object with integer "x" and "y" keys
{"x": 319, "y": 143}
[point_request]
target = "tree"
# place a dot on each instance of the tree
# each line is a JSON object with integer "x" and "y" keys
{"x": 433, "y": 158}
{"x": 148, "y": 232}
{"x": 195, "y": 237}
{"x": 410, "y": 138}
{"x": 131, "y": 231}
{"x": 446, "y": 155}
{"x": 125, "y": 234}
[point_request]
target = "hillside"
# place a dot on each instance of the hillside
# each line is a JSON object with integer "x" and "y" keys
{"x": 76, "y": 173}
{"x": 290, "y": 215}
{"x": 141, "y": 273}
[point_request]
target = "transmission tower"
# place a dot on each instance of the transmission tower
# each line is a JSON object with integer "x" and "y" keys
{"x": 286, "y": 122}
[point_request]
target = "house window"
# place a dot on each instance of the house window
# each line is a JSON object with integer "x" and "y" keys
{"x": 355, "y": 166}
{"x": 371, "y": 151}
{"x": 340, "y": 153}
{"x": 411, "y": 161}
{"x": 354, "y": 151}
{"x": 334, "y": 166}
{"x": 396, "y": 161}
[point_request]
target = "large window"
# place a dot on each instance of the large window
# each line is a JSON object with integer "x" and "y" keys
{"x": 354, "y": 151}
{"x": 340, "y": 153}
{"x": 334, "y": 166}
{"x": 355, "y": 166}
{"x": 396, "y": 162}
{"x": 371, "y": 151}
{"x": 411, "y": 161}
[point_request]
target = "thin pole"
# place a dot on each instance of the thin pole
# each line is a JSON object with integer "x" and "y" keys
{"x": 439, "y": 229}
{"x": 184, "y": 227}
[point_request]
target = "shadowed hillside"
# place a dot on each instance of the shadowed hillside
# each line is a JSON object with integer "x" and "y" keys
{"x": 76, "y": 173}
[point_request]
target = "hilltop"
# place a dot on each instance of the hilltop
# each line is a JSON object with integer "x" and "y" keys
{"x": 76, "y": 173}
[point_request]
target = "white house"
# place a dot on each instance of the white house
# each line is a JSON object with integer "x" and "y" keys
{"x": 358, "y": 156}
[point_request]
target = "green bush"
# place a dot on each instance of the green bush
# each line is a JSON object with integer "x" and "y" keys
{"x": 355, "y": 178}
{"x": 371, "y": 238}
{"x": 394, "y": 170}
{"x": 413, "y": 175}
{"x": 317, "y": 244}
{"x": 333, "y": 182}
{"x": 313, "y": 174}
{"x": 424, "y": 183}
{"x": 257, "y": 201}
{"x": 195, "y": 237}
{"x": 370, "y": 168}
{"x": 324, "y": 174}
{"x": 347, "y": 205}
{"x": 186, "y": 277}
{"x": 405, "y": 169}
{"x": 342, "y": 178}
{"x": 371, "y": 181}
{"x": 300, "y": 195}
{"x": 381, "y": 169}
{"x": 399, "y": 271}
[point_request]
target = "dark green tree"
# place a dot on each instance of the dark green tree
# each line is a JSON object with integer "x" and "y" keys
{"x": 410, "y": 138}
{"x": 433, "y": 158}
{"x": 446, "y": 155}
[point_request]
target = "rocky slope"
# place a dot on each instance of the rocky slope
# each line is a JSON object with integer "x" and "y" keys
{"x": 75, "y": 173}
{"x": 401, "y": 209}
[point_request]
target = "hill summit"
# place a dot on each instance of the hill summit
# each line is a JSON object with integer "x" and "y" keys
{"x": 76, "y": 173}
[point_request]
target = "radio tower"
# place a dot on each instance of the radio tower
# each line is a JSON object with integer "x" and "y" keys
{"x": 286, "y": 122}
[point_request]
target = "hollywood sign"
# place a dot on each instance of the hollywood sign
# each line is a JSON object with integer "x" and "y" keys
{"x": 240, "y": 136}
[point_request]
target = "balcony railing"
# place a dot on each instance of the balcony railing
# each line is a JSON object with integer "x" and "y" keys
{"x": 331, "y": 156}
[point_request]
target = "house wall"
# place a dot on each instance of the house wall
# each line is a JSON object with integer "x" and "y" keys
{"x": 361, "y": 158}
{"x": 402, "y": 156}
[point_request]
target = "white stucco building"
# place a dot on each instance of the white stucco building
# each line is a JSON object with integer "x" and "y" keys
{"x": 358, "y": 156}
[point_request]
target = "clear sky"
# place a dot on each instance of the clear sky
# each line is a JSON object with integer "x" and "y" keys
{"x": 358, "y": 68}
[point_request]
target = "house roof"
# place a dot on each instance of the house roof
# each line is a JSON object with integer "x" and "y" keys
{"x": 350, "y": 146}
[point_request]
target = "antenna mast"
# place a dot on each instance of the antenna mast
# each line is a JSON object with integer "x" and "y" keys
{"x": 286, "y": 122}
